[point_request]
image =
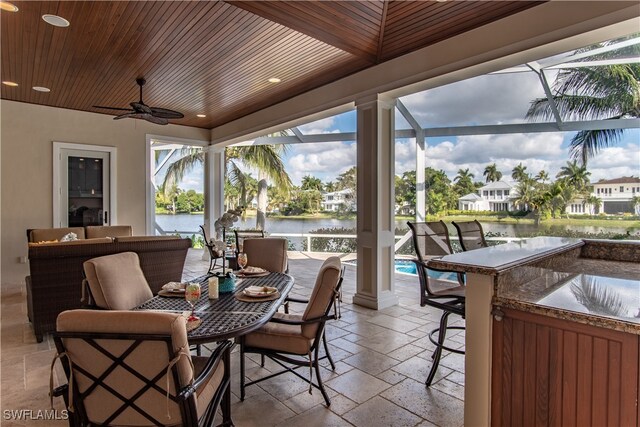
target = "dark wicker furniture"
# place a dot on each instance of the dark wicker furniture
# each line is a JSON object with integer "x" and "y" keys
{"x": 431, "y": 240}
{"x": 214, "y": 253}
{"x": 56, "y": 274}
{"x": 227, "y": 317}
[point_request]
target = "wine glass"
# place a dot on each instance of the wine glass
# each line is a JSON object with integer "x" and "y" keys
{"x": 192, "y": 294}
{"x": 242, "y": 260}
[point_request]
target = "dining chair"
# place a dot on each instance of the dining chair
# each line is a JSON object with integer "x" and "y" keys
{"x": 215, "y": 253}
{"x": 245, "y": 234}
{"x": 133, "y": 368}
{"x": 439, "y": 289}
{"x": 295, "y": 339}
{"x": 470, "y": 235}
{"x": 269, "y": 253}
{"x": 115, "y": 282}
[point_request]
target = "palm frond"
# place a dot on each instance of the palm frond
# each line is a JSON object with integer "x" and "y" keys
{"x": 178, "y": 169}
{"x": 268, "y": 159}
{"x": 585, "y": 144}
{"x": 598, "y": 299}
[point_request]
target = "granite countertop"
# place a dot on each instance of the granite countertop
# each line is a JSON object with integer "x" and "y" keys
{"x": 497, "y": 259}
{"x": 595, "y": 292}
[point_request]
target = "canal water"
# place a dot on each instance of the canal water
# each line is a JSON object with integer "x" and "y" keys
{"x": 190, "y": 223}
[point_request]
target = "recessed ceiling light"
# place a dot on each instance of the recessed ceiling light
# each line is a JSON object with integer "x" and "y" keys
{"x": 56, "y": 20}
{"x": 8, "y": 83}
{"x": 201, "y": 115}
{"x": 9, "y": 7}
{"x": 41, "y": 89}
{"x": 274, "y": 80}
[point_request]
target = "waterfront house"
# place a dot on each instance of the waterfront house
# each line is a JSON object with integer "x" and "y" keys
{"x": 334, "y": 201}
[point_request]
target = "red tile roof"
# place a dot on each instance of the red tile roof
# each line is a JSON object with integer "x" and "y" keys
{"x": 623, "y": 180}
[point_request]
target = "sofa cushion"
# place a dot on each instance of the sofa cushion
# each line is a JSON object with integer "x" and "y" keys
{"x": 144, "y": 238}
{"x": 49, "y": 234}
{"x": 74, "y": 242}
{"x": 93, "y": 231}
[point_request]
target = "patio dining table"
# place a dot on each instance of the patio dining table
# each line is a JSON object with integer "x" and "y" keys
{"x": 226, "y": 317}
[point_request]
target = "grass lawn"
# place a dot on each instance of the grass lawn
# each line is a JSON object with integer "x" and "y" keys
{"x": 586, "y": 222}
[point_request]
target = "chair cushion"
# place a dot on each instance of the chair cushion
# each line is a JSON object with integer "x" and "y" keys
{"x": 108, "y": 231}
{"x": 280, "y": 337}
{"x": 323, "y": 293}
{"x": 269, "y": 253}
{"x": 149, "y": 359}
{"x": 117, "y": 281}
{"x": 208, "y": 389}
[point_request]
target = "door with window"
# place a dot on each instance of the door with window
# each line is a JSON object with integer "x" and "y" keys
{"x": 84, "y": 187}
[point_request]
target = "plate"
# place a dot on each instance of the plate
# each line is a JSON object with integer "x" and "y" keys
{"x": 176, "y": 287}
{"x": 259, "y": 291}
{"x": 250, "y": 271}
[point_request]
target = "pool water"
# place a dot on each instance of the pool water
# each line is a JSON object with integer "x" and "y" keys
{"x": 409, "y": 267}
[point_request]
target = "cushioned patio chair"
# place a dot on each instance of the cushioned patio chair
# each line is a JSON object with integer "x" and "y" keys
{"x": 246, "y": 234}
{"x": 440, "y": 289}
{"x": 269, "y": 253}
{"x": 295, "y": 339}
{"x": 470, "y": 235}
{"x": 115, "y": 282}
{"x": 133, "y": 368}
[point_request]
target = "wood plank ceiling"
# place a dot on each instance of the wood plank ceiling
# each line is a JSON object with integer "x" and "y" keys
{"x": 215, "y": 58}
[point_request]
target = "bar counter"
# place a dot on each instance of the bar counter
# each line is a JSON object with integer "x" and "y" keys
{"x": 560, "y": 279}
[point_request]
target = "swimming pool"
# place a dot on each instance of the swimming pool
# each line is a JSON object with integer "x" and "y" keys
{"x": 405, "y": 266}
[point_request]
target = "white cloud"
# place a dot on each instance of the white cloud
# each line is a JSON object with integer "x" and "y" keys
{"x": 320, "y": 126}
{"x": 323, "y": 160}
{"x": 488, "y": 99}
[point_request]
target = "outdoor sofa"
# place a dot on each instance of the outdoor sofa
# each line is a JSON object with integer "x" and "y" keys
{"x": 56, "y": 268}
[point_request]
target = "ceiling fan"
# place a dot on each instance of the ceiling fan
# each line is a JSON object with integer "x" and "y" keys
{"x": 140, "y": 110}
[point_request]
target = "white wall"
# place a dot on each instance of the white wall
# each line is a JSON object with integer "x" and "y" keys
{"x": 27, "y": 133}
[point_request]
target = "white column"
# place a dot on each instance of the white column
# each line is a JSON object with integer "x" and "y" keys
{"x": 421, "y": 198}
{"x": 213, "y": 189}
{"x": 478, "y": 339}
{"x": 376, "y": 199}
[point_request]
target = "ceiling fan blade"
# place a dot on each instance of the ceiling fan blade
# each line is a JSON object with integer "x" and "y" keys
{"x": 165, "y": 113}
{"x": 156, "y": 120}
{"x": 132, "y": 115}
{"x": 112, "y": 108}
{"x": 143, "y": 116}
{"x": 140, "y": 107}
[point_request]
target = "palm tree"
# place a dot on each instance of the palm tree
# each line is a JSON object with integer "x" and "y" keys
{"x": 311, "y": 183}
{"x": 598, "y": 92}
{"x": 267, "y": 159}
{"x": 635, "y": 202}
{"x": 492, "y": 173}
{"x": 518, "y": 173}
{"x": 594, "y": 204}
{"x": 463, "y": 175}
{"x": 576, "y": 175}
{"x": 542, "y": 176}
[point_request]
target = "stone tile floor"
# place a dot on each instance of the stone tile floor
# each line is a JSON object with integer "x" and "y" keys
{"x": 382, "y": 359}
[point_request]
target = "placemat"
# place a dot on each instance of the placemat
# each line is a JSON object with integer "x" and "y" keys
{"x": 242, "y": 297}
{"x": 249, "y": 276}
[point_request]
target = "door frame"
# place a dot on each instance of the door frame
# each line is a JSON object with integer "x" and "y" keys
{"x": 149, "y": 171}
{"x": 113, "y": 189}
